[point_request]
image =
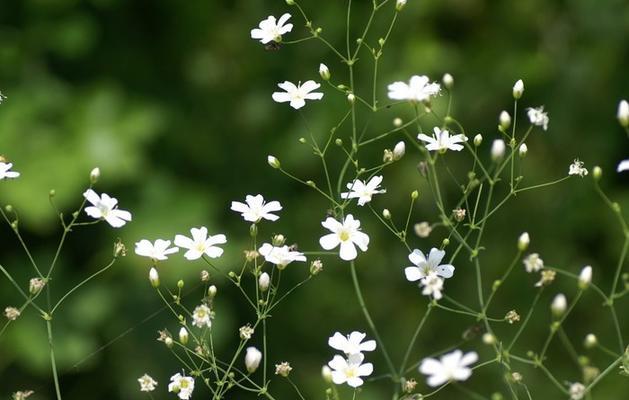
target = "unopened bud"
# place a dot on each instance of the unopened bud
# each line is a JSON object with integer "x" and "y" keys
{"x": 253, "y": 230}
{"x": 351, "y": 98}
{"x": 264, "y": 281}
{"x": 183, "y": 336}
{"x": 415, "y": 194}
{"x": 399, "y": 5}
{"x": 253, "y": 357}
{"x": 397, "y": 122}
{"x": 290, "y": 2}
{"x": 505, "y": 121}
{"x": 324, "y": 72}
{"x": 512, "y": 317}
{"x": 523, "y": 150}
{"x": 445, "y": 242}
{"x": 399, "y": 150}
{"x": 597, "y": 173}
{"x": 518, "y": 89}
{"x": 585, "y": 277}
{"x": 498, "y": 149}
{"x": 316, "y": 267}
{"x": 326, "y": 374}
{"x": 154, "y": 277}
{"x": 386, "y": 214}
{"x": 205, "y": 276}
{"x": 523, "y": 241}
{"x": 273, "y": 162}
{"x": 590, "y": 341}
{"x": 623, "y": 113}
{"x": 169, "y": 342}
{"x": 559, "y": 305}
{"x": 478, "y": 139}
{"x": 278, "y": 240}
{"x": 211, "y": 291}
{"x": 489, "y": 338}
{"x": 448, "y": 81}
{"x": 422, "y": 229}
{"x": 94, "y": 175}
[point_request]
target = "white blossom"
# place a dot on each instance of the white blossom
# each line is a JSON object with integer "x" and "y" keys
{"x": 200, "y": 244}
{"x": 349, "y": 370}
{"x": 256, "y": 209}
{"x": 363, "y": 191}
{"x": 202, "y": 316}
{"x": 533, "y": 263}
{"x": 280, "y": 256}
{"x": 155, "y": 251}
{"x": 253, "y": 357}
{"x": 451, "y": 366}
{"x": 297, "y": 94}
{"x": 347, "y": 234}
{"x": 5, "y": 171}
{"x": 442, "y": 141}
{"x": 577, "y": 168}
{"x": 182, "y": 385}
{"x": 351, "y": 344}
{"x": 105, "y": 207}
{"x": 147, "y": 384}
{"x": 418, "y": 89}
{"x": 432, "y": 284}
{"x": 271, "y": 30}
{"x": 538, "y": 117}
{"x": 623, "y": 166}
{"x": 424, "y": 266}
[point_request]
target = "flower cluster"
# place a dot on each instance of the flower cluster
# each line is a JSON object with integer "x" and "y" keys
{"x": 349, "y": 368}
{"x": 429, "y": 271}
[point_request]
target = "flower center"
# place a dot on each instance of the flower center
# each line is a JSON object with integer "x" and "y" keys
{"x": 344, "y": 235}
{"x": 351, "y": 372}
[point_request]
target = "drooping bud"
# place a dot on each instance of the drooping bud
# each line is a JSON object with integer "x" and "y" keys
{"x": 253, "y": 357}
{"x": 518, "y": 89}
{"x": 154, "y": 277}
{"x": 590, "y": 341}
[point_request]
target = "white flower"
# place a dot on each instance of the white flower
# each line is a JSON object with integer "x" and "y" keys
{"x": 576, "y": 168}
{"x": 538, "y": 117}
{"x": 280, "y": 256}
{"x": 5, "y": 171}
{"x": 424, "y": 266}
{"x": 200, "y": 244}
{"x": 253, "y": 357}
{"x": 256, "y": 209}
{"x": 577, "y": 391}
{"x": 623, "y": 166}
{"x": 452, "y": 366}
{"x": 202, "y": 316}
{"x": 442, "y": 141}
{"x": 349, "y": 370}
{"x": 346, "y": 234}
{"x": 271, "y": 30}
{"x": 533, "y": 263}
{"x": 297, "y": 95}
{"x": 623, "y": 113}
{"x": 155, "y": 251}
{"x": 418, "y": 89}
{"x": 518, "y": 89}
{"x": 363, "y": 191}
{"x": 433, "y": 285}
{"x": 352, "y": 343}
{"x": 147, "y": 384}
{"x": 105, "y": 207}
{"x": 181, "y": 385}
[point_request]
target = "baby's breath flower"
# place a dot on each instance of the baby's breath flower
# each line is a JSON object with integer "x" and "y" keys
{"x": 283, "y": 369}
{"x": 155, "y": 251}
{"x": 363, "y": 191}
{"x": 538, "y": 117}
{"x": 349, "y": 370}
{"x": 105, "y": 207}
{"x": 315, "y": 267}
{"x": 256, "y": 209}
{"x": 245, "y": 332}
{"x": 202, "y": 316}
{"x": 280, "y": 256}
{"x": 622, "y": 166}
{"x": 345, "y": 234}
{"x": 35, "y": 285}
{"x": 5, "y": 171}
{"x": 271, "y": 30}
{"x": 11, "y": 313}
{"x": 409, "y": 385}
{"x": 297, "y": 95}
{"x": 182, "y": 385}
{"x": 351, "y": 344}
{"x": 577, "y": 391}
{"x": 459, "y": 214}
{"x": 200, "y": 244}
{"x": 450, "y": 367}
{"x": 533, "y": 263}
{"x": 147, "y": 384}
{"x": 422, "y": 229}
{"x": 512, "y": 317}
{"x": 432, "y": 284}
{"x": 418, "y": 89}
{"x": 253, "y": 357}
{"x": 441, "y": 141}
{"x": 547, "y": 277}
{"x": 424, "y": 266}
{"x": 576, "y": 168}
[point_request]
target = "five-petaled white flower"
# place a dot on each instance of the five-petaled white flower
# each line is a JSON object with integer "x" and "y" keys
{"x": 256, "y": 209}
{"x": 352, "y": 343}
{"x": 623, "y": 166}
{"x": 5, "y": 171}
{"x": 271, "y": 30}
{"x": 297, "y": 95}
{"x": 155, "y": 251}
{"x": 182, "y": 385}
{"x": 424, "y": 266}
{"x": 441, "y": 141}
{"x": 577, "y": 168}
{"x": 418, "y": 89}
{"x": 452, "y": 366}
{"x": 349, "y": 370}
{"x": 202, "y": 316}
{"x": 432, "y": 284}
{"x": 280, "y": 256}
{"x": 147, "y": 384}
{"x": 363, "y": 191}
{"x": 346, "y": 234}
{"x": 200, "y": 244}
{"x": 105, "y": 207}
{"x": 533, "y": 263}
{"x": 538, "y": 117}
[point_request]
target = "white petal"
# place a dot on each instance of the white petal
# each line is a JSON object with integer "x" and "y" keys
{"x": 329, "y": 241}
{"x": 338, "y": 342}
{"x": 281, "y": 97}
{"x": 214, "y": 252}
{"x": 183, "y": 241}
{"x": 365, "y": 369}
{"x": 332, "y": 224}
{"x": 193, "y": 254}
{"x": 469, "y": 358}
{"x": 93, "y": 212}
{"x": 369, "y": 345}
{"x": 355, "y": 382}
{"x": 445, "y": 271}
{"x": 361, "y": 239}
{"x": 430, "y": 366}
{"x": 413, "y": 274}
{"x": 348, "y": 251}
{"x": 91, "y": 196}
{"x": 297, "y": 103}
{"x": 338, "y": 363}
{"x": 623, "y": 166}
{"x": 417, "y": 257}
{"x": 239, "y": 207}
{"x": 435, "y": 256}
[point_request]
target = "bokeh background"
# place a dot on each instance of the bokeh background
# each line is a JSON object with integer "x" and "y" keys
{"x": 172, "y": 100}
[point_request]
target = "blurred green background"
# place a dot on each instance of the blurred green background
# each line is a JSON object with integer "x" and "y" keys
{"x": 172, "y": 100}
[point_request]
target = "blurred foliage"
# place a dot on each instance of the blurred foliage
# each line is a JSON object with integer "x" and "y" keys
{"x": 172, "y": 100}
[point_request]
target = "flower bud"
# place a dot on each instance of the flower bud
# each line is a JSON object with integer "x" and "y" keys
{"x": 448, "y": 81}
{"x": 489, "y": 339}
{"x": 326, "y": 374}
{"x": 169, "y": 342}
{"x": 183, "y": 336}
{"x": 245, "y": 332}
{"x": 252, "y": 359}
{"x": 154, "y": 277}
{"x": 399, "y": 150}
{"x": 415, "y": 194}
{"x": 283, "y": 369}
{"x": 523, "y": 241}
{"x": 278, "y": 240}
{"x": 315, "y": 267}
{"x": 498, "y": 149}
{"x": 324, "y": 72}
{"x": 523, "y": 150}
{"x": 518, "y": 89}
{"x": 422, "y": 229}
{"x": 273, "y": 162}
{"x": 585, "y": 277}
{"x": 597, "y": 172}
{"x": 505, "y": 121}
{"x": 559, "y": 305}
{"x": 290, "y": 2}
{"x": 264, "y": 281}
{"x": 205, "y": 276}
{"x": 478, "y": 139}
{"x": 351, "y": 98}
{"x": 623, "y": 113}
{"x": 94, "y": 175}
{"x": 399, "y": 5}
{"x": 180, "y": 284}
{"x": 590, "y": 341}
{"x": 35, "y": 285}
{"x": 397, "y": 122}
{"x": 386, "y": 214}
{"x": 211, "y": 291}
